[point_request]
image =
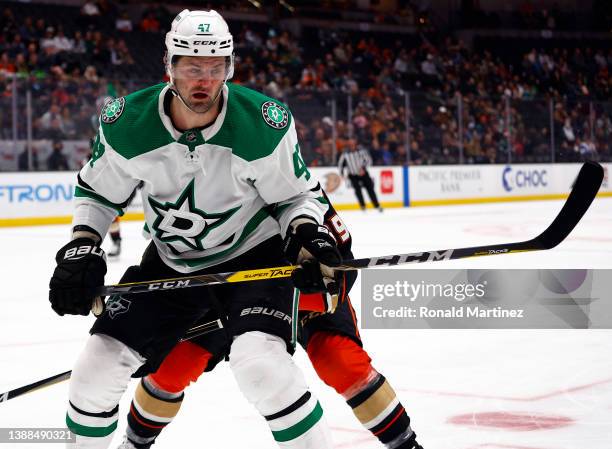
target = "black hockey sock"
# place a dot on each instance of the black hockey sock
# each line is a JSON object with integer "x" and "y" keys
{"x": 379, "y": 410}
{"x": 151, "y": 410}
{"x": 115, "y": 236}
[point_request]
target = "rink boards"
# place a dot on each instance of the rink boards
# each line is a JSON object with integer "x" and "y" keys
{"x": 46, "y": 197}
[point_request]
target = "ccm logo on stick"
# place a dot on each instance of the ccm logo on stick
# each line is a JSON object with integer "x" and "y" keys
{"x": 168, "y": 285}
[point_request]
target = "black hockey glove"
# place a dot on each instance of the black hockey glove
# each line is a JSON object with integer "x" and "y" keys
{"x": 81, "y": 266}
{"x": 313, "y": 247}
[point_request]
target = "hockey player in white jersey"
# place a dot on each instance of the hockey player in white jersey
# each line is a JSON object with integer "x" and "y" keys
{"x": 223, "y": 184}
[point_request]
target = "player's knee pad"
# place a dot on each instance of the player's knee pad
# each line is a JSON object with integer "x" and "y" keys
{"x": 182, "y": 366}
{"x": 265, "y": 372}
{"x": 99, "y": 378}
{"x": 339, "y": 361}
{"x": 269, "y": 379}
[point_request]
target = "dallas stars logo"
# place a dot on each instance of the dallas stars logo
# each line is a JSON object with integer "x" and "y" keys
{"x": 112, "y": 110}
{"x": 275, "y": 115}
{"x": 116, "y": 305}
{"x": 183, "y": 222}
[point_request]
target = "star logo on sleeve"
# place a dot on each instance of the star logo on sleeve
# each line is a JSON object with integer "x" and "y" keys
{"x": 112, "y": 110}
{"x": 275, "y": 115}
{"x": 182, "y": 221}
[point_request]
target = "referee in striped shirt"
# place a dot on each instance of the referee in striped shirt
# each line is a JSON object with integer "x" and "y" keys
{"x": 356, "y": 162}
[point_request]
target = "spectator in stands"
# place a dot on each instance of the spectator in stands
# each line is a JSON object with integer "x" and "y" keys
{"x": 7, "y": 20}
{"x": 62, "y": 42}
{"x": 23, "y": 162}
{"x": 40, "y": 29}
{"x": 416, "y": 155}
{"x": 91, "y": 75}
{"x": 27, "y": 30}
{"x": 115, "y": 58}
{"x": 21, "y": 65}
{"x": 6, "y": 65}
{"x": 51, "y": 123}
{"x": 124, "y": 53}
{"x": 48, "y": 43}
{"x": 586, "y": 149}
{"x": 372, "y": 70}
{"x": 568, "y": 135}
{"x": 124, "y": 23}
{"x": 69, "y": 125}
{"x": 17, "y": 46}
{"x": 90, "y": 14}
{"x": 149, "y": 23}
{"x": 108, "y": 9}
{"x": 57, "y": 160}
{"x": 100, "y": 55}
{"x": 79, "y": 46}
{"x": 90, "y": 9}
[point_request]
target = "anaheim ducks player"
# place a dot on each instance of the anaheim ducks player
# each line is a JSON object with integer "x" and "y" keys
{"x": 223, "y": 184}
{"x": 327, "y": 330}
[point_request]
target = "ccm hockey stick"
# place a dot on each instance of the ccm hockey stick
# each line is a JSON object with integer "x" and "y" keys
{"x": 195, "y": 331}
{"x": 583, "y": 193}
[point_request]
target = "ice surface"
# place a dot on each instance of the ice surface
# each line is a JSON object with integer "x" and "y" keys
{"x": 464, "y": 389}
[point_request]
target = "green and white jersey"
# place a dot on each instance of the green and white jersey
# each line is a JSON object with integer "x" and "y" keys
{"x": 209, "y": 195}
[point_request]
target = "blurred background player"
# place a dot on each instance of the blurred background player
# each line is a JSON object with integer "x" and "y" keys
{"x": 115, "y": 234}
{"x": 356, "y": 161}
{"x": 328, "y": 332}
{"x": 115, "y": 228}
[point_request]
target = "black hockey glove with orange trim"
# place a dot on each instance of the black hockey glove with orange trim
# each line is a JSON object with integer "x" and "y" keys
{"x": 326, "y": 301}
{"x": 81, "y": 266}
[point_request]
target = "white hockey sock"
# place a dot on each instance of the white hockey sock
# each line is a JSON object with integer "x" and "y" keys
{"x": 99, "y": 378}
{"x": 269, "y": 379}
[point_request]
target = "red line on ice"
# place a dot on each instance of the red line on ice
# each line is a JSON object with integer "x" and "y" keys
{"x": 511, "y": 398}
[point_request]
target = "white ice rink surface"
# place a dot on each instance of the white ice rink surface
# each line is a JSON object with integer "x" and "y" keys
{"x": 464, "y": 389}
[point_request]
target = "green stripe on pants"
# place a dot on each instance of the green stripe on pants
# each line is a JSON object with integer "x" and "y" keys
{"x": 300, "y": 428}
{"x": 87, "y": 431}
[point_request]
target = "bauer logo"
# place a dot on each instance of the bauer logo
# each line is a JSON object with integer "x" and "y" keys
{"x": 266, "y": 311}
{"x": 39, "y": 193}
{"x": 81, "y": 251}
{"x": 515, "y": 179}
{"x": 386, "y": 182}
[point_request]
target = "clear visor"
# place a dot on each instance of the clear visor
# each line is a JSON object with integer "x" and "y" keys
{"x": 199, "y": 72}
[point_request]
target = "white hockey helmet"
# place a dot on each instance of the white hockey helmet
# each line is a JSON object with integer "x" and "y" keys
{"x": 199, "y": 33}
